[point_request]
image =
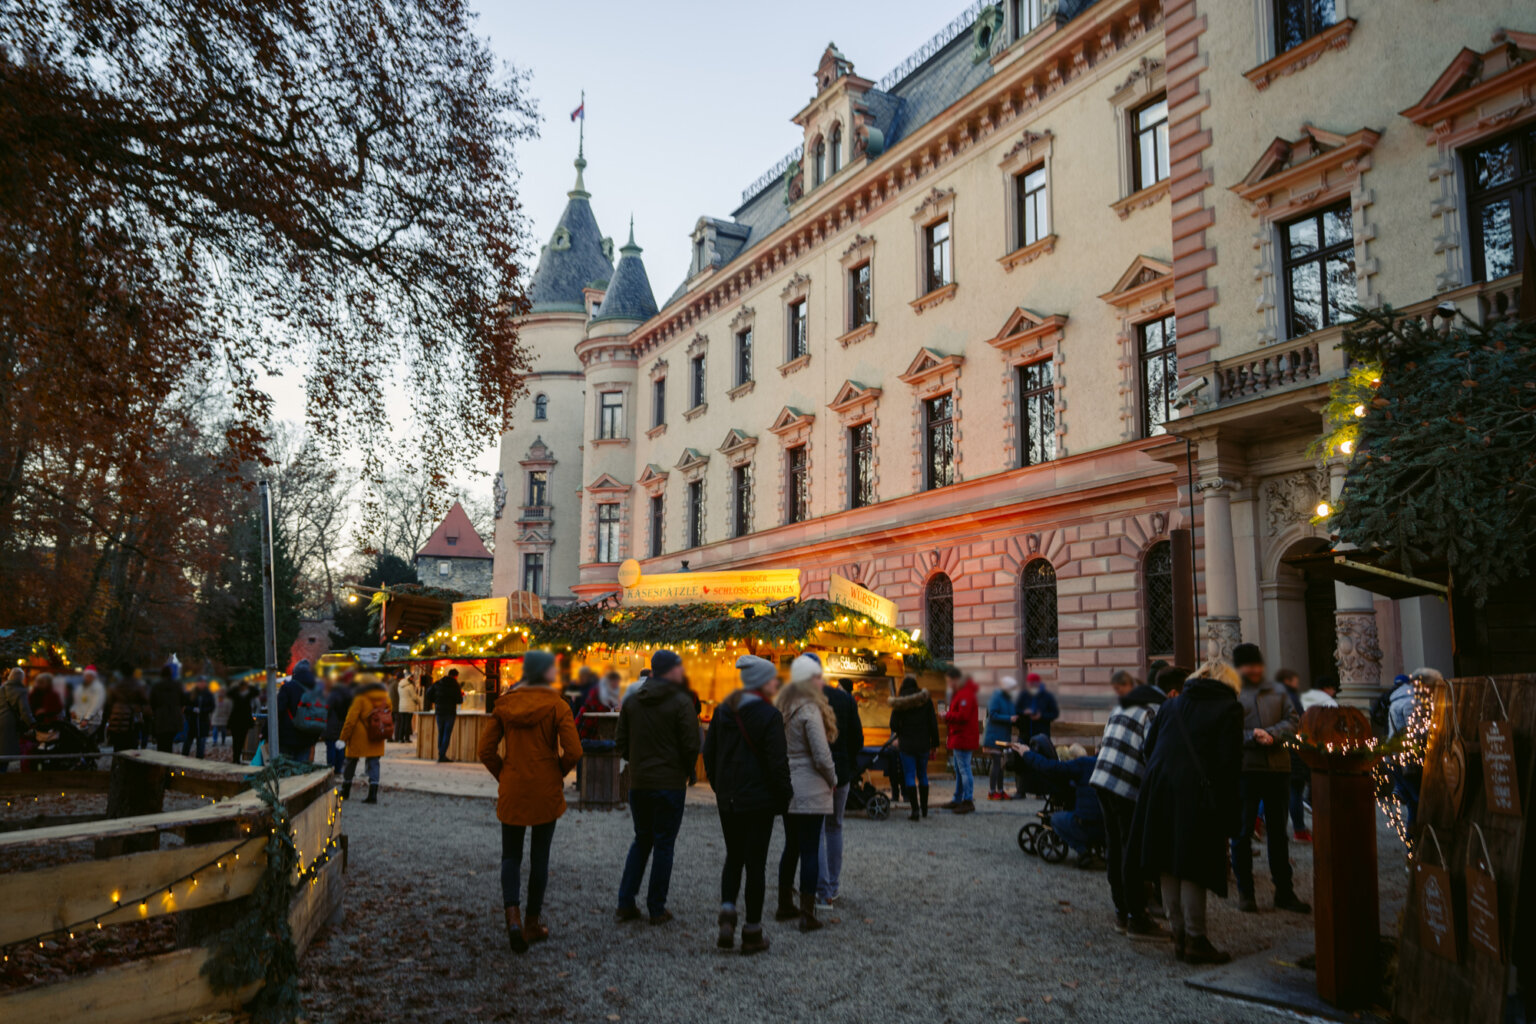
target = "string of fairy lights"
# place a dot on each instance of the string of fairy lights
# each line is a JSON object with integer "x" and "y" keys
{"x": 1409, "y": 755}
{"x": 305, "y": 873}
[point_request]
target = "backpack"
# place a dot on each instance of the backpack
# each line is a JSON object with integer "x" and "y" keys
{"x": 380, "y": 723}
{"x": 124, "y": 717}
{"x": 1381, "y": 711}
{"x": 310, "y": 716}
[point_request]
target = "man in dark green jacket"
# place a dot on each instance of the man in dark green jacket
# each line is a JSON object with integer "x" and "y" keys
{"x": 659, "y": 737}
{"x": 1269, "y": 719}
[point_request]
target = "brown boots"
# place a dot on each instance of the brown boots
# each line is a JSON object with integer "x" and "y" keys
{"x": 808, "y": 922}
{"x": 521, "y": 935}
{"x": 753, "y": 940}
{"x": 787, "y": 911}
{"x": 727, "y": 939}
{"x": 515, "y": 930}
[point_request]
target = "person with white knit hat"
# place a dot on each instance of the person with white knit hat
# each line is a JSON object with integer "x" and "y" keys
{"x": 810, "y": 727}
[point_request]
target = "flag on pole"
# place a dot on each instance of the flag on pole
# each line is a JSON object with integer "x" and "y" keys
{"x": 580, "y": 112}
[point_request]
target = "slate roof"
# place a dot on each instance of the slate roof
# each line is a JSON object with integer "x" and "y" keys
{"x": 911, "y": 103}
{"x": 574, "y": 257}
{"x": 629, "y": 295}
{"x": 455, "y": 537}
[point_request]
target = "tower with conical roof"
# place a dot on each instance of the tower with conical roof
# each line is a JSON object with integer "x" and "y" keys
{"x": 540, "y": 474}
{"x": 613, "y": 401}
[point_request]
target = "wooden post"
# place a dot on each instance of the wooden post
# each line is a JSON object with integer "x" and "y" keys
{"x": 1345, "y": 902}
{"x": 134, "y": 788}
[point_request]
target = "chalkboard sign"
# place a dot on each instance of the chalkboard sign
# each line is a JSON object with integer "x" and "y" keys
{"x": 1459, "y": 945}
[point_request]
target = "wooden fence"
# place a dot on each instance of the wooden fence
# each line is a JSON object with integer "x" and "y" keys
{"x": 129, "y": 877}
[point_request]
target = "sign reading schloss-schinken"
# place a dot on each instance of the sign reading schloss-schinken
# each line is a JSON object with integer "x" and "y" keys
{"x": 845, "y": 592}
{"x": 710, "y": 587}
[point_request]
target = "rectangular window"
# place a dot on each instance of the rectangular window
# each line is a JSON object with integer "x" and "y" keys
{"x": 937, "y": 270}
{"x": 1149, "y": 144}
{"x": 1159, "y": 375}
{"x": 658, "y": 401}
{"x": 743, "y": 357}
{"x": 533, "y": 574}
{"x": 608, "y": 533}
{"x": 1296, "y": 21}
{"x": 1501, "y": 189}
{"x": 696, "y": 379}
{"x": 696, "y": 514}
{"x": 1317, "y": 260}
{"x": 1026, "y": 17}
{"x": 538, "y": 487}
{"x": 799, "y": 341}
{"x": 861, "y": 465}
{"x": 939, "y": 442}
{"x": 861, "y": 309}
{"x": 610, "y": 421}
{"x": 797, "y": 485}
{"x": 1030, "y": 203}
{"x": 1037, "y": 413}
{"x": 658, "y": 525}
{"x": 741, "y": 500}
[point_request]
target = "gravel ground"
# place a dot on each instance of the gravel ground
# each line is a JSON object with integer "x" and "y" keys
{"x": 944, "y": 920}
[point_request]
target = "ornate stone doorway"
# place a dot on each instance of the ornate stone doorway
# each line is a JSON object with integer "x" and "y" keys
{"x": 1299, "y": 628}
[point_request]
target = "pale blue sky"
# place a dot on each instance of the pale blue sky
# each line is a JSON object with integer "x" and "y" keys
{"x": 687, "y": 103}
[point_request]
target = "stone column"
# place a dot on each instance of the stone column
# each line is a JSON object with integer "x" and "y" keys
{"x": 1357, "y": 650}
{"x": 1223, "y": 627}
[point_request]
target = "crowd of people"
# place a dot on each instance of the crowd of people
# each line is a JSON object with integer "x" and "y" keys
{"x": 1192, "y": 767}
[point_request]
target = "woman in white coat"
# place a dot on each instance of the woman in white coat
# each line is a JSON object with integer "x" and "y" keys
{"x": 410, "y": 702}
{"x": 810, "y": 727}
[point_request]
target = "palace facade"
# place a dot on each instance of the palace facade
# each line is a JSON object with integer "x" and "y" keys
{"x": 1032, "y": 335}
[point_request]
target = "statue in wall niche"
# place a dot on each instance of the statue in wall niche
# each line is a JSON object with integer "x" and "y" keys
{"x": 1358, "y": 651}
{"x": 498, "y": 494}
{"x": 1292, "y": 499}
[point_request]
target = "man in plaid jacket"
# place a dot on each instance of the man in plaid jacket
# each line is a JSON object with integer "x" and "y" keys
{"x": 1117, "y": 778}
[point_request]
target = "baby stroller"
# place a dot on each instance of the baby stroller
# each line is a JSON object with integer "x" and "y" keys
{"x": 67, "y": 747}
{"x": 863, "y": 795}
{"x": 1037, "y": 838}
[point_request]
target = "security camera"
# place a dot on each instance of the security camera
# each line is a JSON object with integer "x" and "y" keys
{"x": 1185, "y": 395}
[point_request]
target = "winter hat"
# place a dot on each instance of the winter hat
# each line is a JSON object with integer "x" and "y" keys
{"x": 1399, "y": 681}
{"x": 755, "y": 672}
{"x": 664, "y": 661}
{"x": 1246, "y": 654}
{"x": 1009, "y": 684}
{"x": 1034, "y": 678}
{"x": 536, "y": 664}
{"x": 804, "y": 668}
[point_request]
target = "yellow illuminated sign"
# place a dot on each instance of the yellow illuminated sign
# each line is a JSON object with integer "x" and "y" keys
{"x": 473, "y": 618}
{"x": 845, "y": 592}
{"x": 708, "y": 587}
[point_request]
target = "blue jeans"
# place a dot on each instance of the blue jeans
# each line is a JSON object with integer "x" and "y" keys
{"x": 658, "y": 815}
{"x": 444, "y": 734}
{"x": 963, "y": 779}
{"x": 916, "y": 769}
{"x": 370, "y": 765}
{"x": 832, "y": 845}
{"x": 1079, "y": 834}
{"x": 512, "y": 864}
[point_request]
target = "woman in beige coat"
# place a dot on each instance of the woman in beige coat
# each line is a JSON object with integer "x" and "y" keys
{"x": 810, "y": 727}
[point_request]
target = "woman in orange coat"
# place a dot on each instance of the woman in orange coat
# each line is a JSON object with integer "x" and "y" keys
{"x": 357, "y": 739}
{"x": 541, "y": 748}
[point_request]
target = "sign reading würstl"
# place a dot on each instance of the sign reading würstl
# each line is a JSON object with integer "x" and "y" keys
{"x": 472, "y": 618}
{"x": 845, "y": 592}
{"x": 710, "y": 587}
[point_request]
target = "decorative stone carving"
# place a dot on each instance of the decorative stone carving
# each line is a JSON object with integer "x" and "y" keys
{"x": 1147, "y": 66}
{"x": 498, "y": 494}
{"x": 933, "y": 202}
{"x": 1358, "y": 652}
{"x": 1222, "y": 635}
{"x": 1292, "y": 499}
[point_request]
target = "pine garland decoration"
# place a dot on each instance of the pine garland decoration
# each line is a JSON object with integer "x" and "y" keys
{"x": 1438, "y": 420}
{"x": 259, "y": 946}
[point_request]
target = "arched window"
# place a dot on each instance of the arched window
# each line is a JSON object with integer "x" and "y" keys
{"x": 941, "y": 617}
{"x": 541, "y": 407}
{"x": 1039, "y": 593}
{"x": 837, "y": 148}
{"x": 1157, "y": 598}
{"x": 819, "y": 164}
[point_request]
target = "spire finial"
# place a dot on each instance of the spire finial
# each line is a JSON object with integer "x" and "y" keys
{"x": 581, "y": 129}
{"x": 629, "y": 247}
{"x": 631, "y": 229}
{"x": 580, "y": 190}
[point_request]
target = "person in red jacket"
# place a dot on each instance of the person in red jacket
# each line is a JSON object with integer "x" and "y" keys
{"x": 964, "y": 724}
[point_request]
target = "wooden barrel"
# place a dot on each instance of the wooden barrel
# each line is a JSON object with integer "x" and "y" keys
{"x": 601, "y": 787}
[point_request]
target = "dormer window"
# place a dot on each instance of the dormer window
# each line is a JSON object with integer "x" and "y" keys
{"x": 452, "y": 541}
{"x": 819, "y": 163}
{"x": 1026, "y": 17}
{"x": 837, "y": 148}
{"x": 699, "y": 248}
